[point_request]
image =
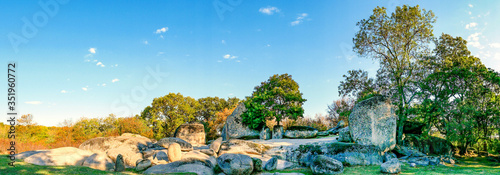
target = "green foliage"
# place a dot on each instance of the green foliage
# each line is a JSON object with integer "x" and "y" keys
{"x": 168, "y": 112}
{"x": 275, "y": 99}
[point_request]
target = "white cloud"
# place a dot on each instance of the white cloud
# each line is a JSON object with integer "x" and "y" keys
{"x": 494, "y": 45}
{"x": 146, "y": 42}
{"x": 470, "y": 13}
{"x": 115, "y": 80}
{"x": 33, "y": 102}
{"x": 269, "y": 10}
{"x": 470, "y": 5}
{"x": 92, "y": 50}
{"x": 471, "y": 25}
{"x": 100, "y": 64}
{"x": 228, "y": 56}
{"x": 219, "y": 61}
{"x": 104, "y": 84}
{"x": 299, "y": 19}
{"x": 64, "y": 91}
{"x": 473, "y": 40}
{"x": 268, "y": 45}
{"x": 162, "y": 30}
{"x": 223, "y": 42}
{"x": 85, "y": 88}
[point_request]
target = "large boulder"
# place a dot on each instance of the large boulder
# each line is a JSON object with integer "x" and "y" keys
{"x": 60, "y": 156}
{"x": 119, "y": 163}
{"x": 344, "y": 135}
{"x": 194, "y": 133}
{"x": 257, "y": 165}
{"x": 187, "y": 165}
{"x": 278, "y": 132}
{"x": 142, "y": 164}
{"x": 392, "y": 166}
{"x": 265, "y": 134}
{"x": 430, "y": 145}
{"x": 103, "y": 144}
{"x": 271, "y": 164}
{"x": 234, "y": 127}
{"x": 326, "y": 165}
{"x": 130, "y": 154}
{"x": 373, "y": 122}
{"x": 174, "y": 152}
{"x": 25, "y": 154}
{"x": 215, "y": 145}
{"x": 301, "y": 132}
{"x": 99, "y": 161}
{"x": 235, "y": 164}
{"x": 237, "y": 146}
{"x": 165, "y": 143}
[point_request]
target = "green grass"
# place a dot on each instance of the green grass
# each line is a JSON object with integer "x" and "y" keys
{"x": 471, "y": 165}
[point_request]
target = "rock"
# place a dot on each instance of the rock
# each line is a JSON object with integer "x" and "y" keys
{"x": 130, "y": 154}
{"x": 59, "y": 156}
{"x": 408, "y": 151}
{"x": 257, "y": 165}
{"x": 283, "y": 165}
{"x": 236, "y": 146}
{"x": 99, "y": 161}
{"x": 326, "y": 165}
{"x": 149, "y": 153}
{"x": 234, "y": 127}
{"x": 103, "y": 144}
{"x": 413, "y": 165}
{"x": 160, "y": 155}
{"x": 388, "y": 156}
{"x": 431, "y": 145}
{"x": 420, "y": 161}
{"x": 447, "y": 159}
{"x": 373, "y": 122}
{"x": 340, "y": 124}
{"x": 235, "y": 164}
{"x": 265, "y": 134}
{"x": 25, "y": 154}
{"x": 142, "y": 164}
{"x": 215, "y": 146}
{"x": 323, "y": 133}
{"x": 278, "y": 132}
{"x": 208, "y": 152}
{"x": 392, "y": 166}
{"x": 188, "y": 165}
{"x": 347, "y": 153}
{"x": 199, "y": 155}
{"x": 165, "y": 143}
{"x": 119, "y": 163}
{"x": 194, "y": 133}
{"x": 296, "y": 132}
{"x": 174, "y": 152}
{"x": 434, "y": 161}
{"x": 271, "y": 164}
{"x": 345, "y": 135}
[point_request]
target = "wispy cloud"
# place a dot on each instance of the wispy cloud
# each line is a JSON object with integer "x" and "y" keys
{"x": 269, "y": 10}
{"x": 223, "y": 42}
{"x": 473, "y": 40}
{"x": 85, "y": 88}
{"x": 100, "y": 64}
{"x": 471, "y": 6}
{"x": 64, "y": 91}
{"x": 146, "y": 42}
{"x": 115, "y": 80}
{"x": 228, "y": 56}
{"x": 161, "y": 30}
{"x": 471, "y": 25}
{"x": 494, "y": 45}
{"x": 33, "y": 102}
{"x": 299, "y": 19}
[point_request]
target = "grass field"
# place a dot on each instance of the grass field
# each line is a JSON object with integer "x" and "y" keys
{"x": 467, "y": 166}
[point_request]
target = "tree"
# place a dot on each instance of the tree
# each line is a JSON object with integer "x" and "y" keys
{"x": 217, "y": 123}
{"x": 168, "y": 112}
{"x": 277, "y": 98}
{"x": 356, "y": 84}
{"x": 341, "y": 109}
{"x": 26, "y": 120}
{"x": 397, "y": 41}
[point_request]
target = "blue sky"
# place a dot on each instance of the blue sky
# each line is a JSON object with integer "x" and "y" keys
{"x": 93, "y": 58}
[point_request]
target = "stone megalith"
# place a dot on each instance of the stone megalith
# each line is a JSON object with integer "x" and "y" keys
{"x": 234, "y": 127}
{"x": 373, "y": 122}
{"x": 193, "y": 133}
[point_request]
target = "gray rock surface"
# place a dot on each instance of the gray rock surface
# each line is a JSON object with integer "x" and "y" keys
{"x": 165, "y": 143}
{"x": 160, "y": 155}
{"x": 388, "y": 156}
{"x": 130, "y": 154}
{"x": 326, "y": 165}
{"x": 345, "y": 135}
{"x": 119, "y": 163}
{"x": 103, "y": 144}
{"x": 373, "y": 122}
{"x": 235, "y": 164}
{"x": 215, "y": 145}
{"x": 59, "y": 156}
{"x": 237, "y": 146}
{"x": 188, "y": 165}
{"x": 271, "y": 164}
{"x": 99, "y": 161}
{"x": 265, "y": 134}
{"x": 142, "y": 164}
{"x": 257, "y": 165}
{"x": 277, "y": 132}
{"x": 392, "y": 166}
{"x": 301, "y": 132}
{"x": 234, "y": 127}
{"x": 193, "y": 133}
{"x": 25, "y": 154}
